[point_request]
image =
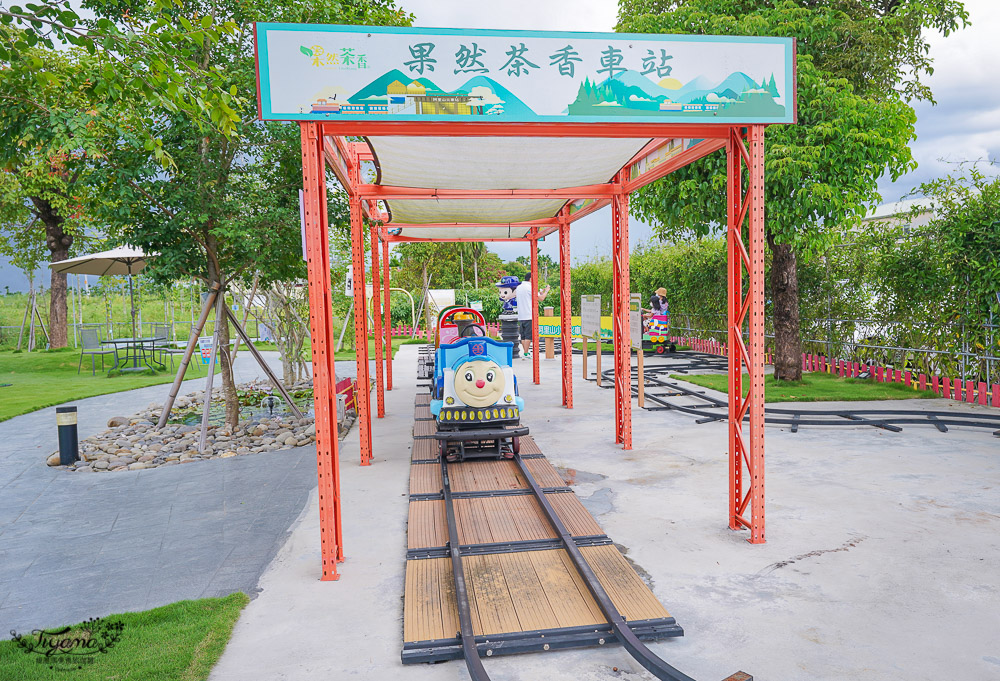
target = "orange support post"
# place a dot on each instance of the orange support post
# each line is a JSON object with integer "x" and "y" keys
{"x": 362, "y": 398}
{"x": 535, "y": 287}
{"x": 321, "y": 332}
{"x": 565, "y": 316}
{"x": 387, "y": 311}
{"x": 742, "y": 209}
{"x": 622, "y": 343}
{"x": 377, "y": 320}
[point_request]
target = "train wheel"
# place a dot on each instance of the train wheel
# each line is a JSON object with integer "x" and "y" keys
{"x": 515, "y": 445}
{"x": 660, "y": 349}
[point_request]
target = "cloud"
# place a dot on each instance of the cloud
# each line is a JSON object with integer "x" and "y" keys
{"x": 484, "y": 95}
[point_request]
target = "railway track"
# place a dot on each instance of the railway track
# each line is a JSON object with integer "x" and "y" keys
{"x": 662, "y": 394}
{"x": 619, "y": 630}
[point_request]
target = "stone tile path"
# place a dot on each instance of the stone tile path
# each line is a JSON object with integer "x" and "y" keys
{"x": 74, "y": 546}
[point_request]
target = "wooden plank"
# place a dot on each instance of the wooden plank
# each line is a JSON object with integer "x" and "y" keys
{"x": 544, "y": 473}
{"x": 429, "y": 611}
{"x": 427, "y": 526}
{"x": 422, "y": 411}
{"x": 575, "y": 517}
{"x": 491, "y": 594}
{"x": 526, "y": 593}
{"x": 422, "y": 398}
{"x": 571, "y": 606}
{"x": 424, "y": 449}
{"x": 627, "y": 590}
{"x": 424, "y": 428}
{"x": 425, "y": 479}
{"x": 529, "y": 446}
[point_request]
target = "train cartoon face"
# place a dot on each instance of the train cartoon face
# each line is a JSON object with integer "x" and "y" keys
{"x": 474, "y": 384}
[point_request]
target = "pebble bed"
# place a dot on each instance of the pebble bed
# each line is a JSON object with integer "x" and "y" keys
{"x": 134, "y": 443}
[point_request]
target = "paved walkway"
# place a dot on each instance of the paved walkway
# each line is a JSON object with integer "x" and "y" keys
{"x": 74, "y": 546}
{"x": 882, "y": 560}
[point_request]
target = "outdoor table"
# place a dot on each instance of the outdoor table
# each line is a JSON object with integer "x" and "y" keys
{"x": 137, "y": 350}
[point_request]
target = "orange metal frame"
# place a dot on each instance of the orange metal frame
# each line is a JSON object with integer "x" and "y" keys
{"x": 324, "y": 143}
{"x": 746, "y": 494}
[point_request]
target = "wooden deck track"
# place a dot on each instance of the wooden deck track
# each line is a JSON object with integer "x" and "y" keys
{"x": 508, "y": 592}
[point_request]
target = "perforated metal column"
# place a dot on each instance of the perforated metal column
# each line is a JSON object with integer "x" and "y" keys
{"x": 321, "y": 334}
{"x": 746, "y": 352}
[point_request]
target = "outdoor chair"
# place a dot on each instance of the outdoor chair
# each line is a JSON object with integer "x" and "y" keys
{"x": 92, "y": 346}
{"x": 166, "y": 348}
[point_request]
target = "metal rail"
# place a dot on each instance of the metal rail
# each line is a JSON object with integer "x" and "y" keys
{"x": 885, "y": 419}
{"x": 469, "y": 649}
{"x": 636, "y": 648}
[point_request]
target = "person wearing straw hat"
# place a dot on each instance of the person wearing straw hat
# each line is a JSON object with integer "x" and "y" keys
{"x": 658, "y": 301}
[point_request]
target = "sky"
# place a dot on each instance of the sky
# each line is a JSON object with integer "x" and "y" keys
{"x": 964, "y": 125}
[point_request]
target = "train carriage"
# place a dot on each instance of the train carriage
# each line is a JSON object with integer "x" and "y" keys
{"x": 475, "y": 400}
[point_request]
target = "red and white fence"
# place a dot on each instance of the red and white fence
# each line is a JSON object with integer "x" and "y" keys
{"x": 971, "y": 392}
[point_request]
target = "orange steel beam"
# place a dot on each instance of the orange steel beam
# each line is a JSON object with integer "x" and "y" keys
{"x": 321, "y": 334}
{"x": 587, "y": 210}
{"x": 507, "y": 129}
{"x": 535, "y": 372}
{"x": 746, "y": 494}
{"x": 387, "y": 311}
{"x": 389, "y": 193}
{"x": 565, "y": 316}
{"x": 475, "y": 225}
{"x": 544, "y": 232}
{"x": 362, "y": 395}
{"x": 377, "y": 320}
{"x": 404, "y": 239}
{"x": 686, "y": 157}
{"x": 620, "y": 300}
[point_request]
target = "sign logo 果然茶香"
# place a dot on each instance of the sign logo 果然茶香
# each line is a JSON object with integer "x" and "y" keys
{"x": 344, "y": 58}
{"x": 70, "y": 648}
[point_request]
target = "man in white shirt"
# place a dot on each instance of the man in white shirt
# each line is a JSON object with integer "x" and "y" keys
{"x": 526, "y": 303}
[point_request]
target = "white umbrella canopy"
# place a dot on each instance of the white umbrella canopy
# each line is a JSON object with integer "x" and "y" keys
{"x": 118, "y": 261}
{"x": 124, "y": 260}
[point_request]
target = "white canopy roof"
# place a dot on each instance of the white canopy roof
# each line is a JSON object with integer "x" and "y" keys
{"x": 491, "y": 163}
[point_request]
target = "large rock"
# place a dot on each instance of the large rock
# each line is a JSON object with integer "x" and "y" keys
{"x": 116, "y": 421}
{"x": 53, "y": 459}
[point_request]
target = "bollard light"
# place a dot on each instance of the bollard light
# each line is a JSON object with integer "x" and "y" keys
{"x": 69, "y": 446}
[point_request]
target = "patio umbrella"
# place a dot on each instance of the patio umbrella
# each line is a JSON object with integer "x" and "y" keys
{"x": 117, "y": 262}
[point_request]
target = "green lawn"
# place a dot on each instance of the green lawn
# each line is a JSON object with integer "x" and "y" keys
{"x": 178, "y": 642}
{"x": 816, "y": 387}
{"x": 46, "y": 378}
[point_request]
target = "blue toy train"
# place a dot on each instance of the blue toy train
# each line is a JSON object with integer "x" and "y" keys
{"x": 475, "y": 400}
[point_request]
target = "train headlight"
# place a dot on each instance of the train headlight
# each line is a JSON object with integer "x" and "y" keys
{"x": 449, "y": 400}
{"x": 479, "y": 415}
{"x": 496, "y": 414}
{"x": 508, "y": 398}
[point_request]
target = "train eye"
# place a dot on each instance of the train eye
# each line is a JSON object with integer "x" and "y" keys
{"x": 469, "y": 376}
{"x": 490, "y": 376}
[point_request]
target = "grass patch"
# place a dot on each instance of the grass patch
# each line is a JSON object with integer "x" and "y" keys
{"x": 48, "y": 377}
{"x": 178, "y": 642}
{"x": 816, "y": 387}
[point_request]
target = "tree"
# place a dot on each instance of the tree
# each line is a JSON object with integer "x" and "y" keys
{"x": 227, "y": 207}
{"x": 854, "y": 126}
{"x": 52, "y": 133}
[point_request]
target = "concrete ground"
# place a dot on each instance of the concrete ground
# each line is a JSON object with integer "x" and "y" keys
{"x": 882, "y": 560}
{"x": 75, "y": 546}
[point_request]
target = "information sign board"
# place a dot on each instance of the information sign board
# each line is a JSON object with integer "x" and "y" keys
{"x": 344, "y": 73}
{"x": 590, "y": 315}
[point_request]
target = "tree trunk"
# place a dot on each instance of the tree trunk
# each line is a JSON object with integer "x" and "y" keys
{"x": 58, "y": 243}
{"x": 785, "y": 296}
{"x": 475, "y": 271}
{"x": 228, "y": 384}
